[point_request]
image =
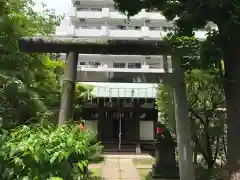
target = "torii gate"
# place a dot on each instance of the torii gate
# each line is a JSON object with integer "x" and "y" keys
{"x": 75, "y": 46}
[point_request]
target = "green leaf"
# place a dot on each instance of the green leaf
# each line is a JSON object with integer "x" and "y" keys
{"x": 55, "y": 178}
{"x": 54, "y": 157}
{"x": 81, "y": 166}
{"x": 26, "y": 153}
{"x": 85, "y": 163}
{"x": 26, "y": 178}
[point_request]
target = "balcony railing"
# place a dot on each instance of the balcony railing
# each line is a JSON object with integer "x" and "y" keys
{"x": 107, "y": 13}
{"x": 144, "y": 32}
{"x": 92, "y": 66}
{"x": 150, "y": 92}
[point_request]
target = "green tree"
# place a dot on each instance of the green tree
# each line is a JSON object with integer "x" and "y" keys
{"x": 205, "y": 96}
{"x": 195, "y": 14}
{"x": 27, "y": 81}
{"x": 30, "y": 84}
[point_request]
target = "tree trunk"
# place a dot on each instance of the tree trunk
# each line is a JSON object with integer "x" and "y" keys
{"x": 231, "y": 55}
{"x": 186, "y": 168}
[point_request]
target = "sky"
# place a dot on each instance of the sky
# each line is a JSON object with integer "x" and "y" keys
{"x": 61, "y": 6}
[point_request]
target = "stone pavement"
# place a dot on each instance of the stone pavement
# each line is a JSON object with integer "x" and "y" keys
{"x": 121, "y": 167}
{"x": 111, "y": 169}
{"x": 128, "y": 170}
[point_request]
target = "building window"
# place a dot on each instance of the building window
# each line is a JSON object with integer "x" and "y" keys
{"x": 96, "y": 9}
{"x": 130, "y": 27}
{"x": 82, "y": 20}
{"x": 134, "y": 65}
{"x": 122, "y": 27}
{"x": 82, "y": 63}
{"x": 137, "y": 27}
{"x": 82, "y": 9}
{"x": 77, "y": 2}
{"x": 152, "y": 28}
{"x": 89, "y": 9}
{"x": 167, "y": 28}
{"x": 94, "y": 27}
{"x": 147, "y": 22}
{"x": 94, "y": 64}
{"x": 119, "y": 65}
{"x": 154, "y": 65}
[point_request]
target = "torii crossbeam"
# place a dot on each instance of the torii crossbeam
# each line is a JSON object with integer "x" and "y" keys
{"x": 75, "y": 46}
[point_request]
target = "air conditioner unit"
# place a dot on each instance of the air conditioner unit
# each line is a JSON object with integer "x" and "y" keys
{"x": 77, "y": 3}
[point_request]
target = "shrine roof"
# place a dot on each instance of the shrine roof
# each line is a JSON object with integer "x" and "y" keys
{"x": 123, "y": 90}
{"x": 93, "y": 46}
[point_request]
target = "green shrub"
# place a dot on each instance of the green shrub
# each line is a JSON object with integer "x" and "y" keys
{"x": 211, "y": 174}
{"x": 47, "y": 152}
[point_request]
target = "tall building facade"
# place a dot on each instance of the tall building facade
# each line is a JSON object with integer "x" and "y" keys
{"x": 123, "y": 110}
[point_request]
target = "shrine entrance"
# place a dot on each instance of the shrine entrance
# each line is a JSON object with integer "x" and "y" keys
{"x": 119, "y": 126}
{"x": 122, "y": 121}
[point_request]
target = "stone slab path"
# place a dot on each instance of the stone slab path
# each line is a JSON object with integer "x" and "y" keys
{"x": 119, "y": 167}
{"x": 110, "y": 169}
{"x": 128, "y": 170}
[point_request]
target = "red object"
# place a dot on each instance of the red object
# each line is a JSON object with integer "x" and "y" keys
{"x": 159, "y": 130}
{"x": 82, "y": 127}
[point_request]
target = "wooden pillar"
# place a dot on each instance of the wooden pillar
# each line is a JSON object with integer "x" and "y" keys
{"x": 186, "y": 168}
{"x": 137, "y": 120}
{"x": 155, "y": 122}
{"x": 68, "y": 88}
{"x": 100, "y": 119}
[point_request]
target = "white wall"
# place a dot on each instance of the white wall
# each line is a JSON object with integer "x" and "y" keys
{"x": 146, "y": 130}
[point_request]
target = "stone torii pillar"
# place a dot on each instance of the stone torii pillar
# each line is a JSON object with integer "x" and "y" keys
{"x": 68, "y": 88}
{"x": 73, "y": 46}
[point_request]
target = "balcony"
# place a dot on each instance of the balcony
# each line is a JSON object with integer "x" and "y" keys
{"x": 131, "y": 34}
{"x": 105, "y": 74}
{"x": 93, "y": 3}
{"x": 114, "y": 33}
{"x": 88, "y": 32}
{"x": 89, "y": 15}
{"x": 135, "y": 90}
{"x": 108, "y": 15}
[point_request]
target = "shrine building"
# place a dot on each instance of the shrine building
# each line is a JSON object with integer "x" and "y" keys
{"x": 123, "y": 110}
